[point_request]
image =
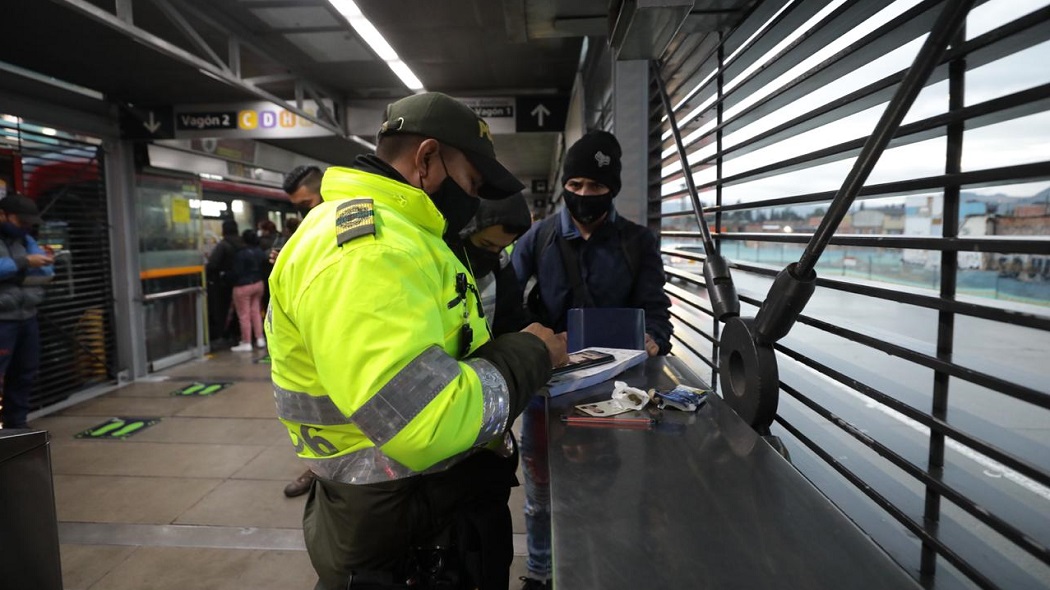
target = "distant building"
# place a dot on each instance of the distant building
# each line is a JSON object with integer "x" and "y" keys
{"x": 1038, "y": 210}
{"x": 868, "y": 221}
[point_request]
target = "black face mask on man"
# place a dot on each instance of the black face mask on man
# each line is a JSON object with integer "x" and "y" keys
{"x": 586, "y": 209}
{"x": 482, "y": 261}
{"x": 456, "y": 204}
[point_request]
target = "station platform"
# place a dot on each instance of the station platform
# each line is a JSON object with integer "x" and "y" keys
{"x": 194, "y": 500}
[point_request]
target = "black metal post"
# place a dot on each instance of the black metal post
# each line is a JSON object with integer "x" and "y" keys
{"x": 945, "y": 318}
{"x": 720, "y": 289}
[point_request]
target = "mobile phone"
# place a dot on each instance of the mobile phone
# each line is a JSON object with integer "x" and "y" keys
{"x": 582, "y": 360}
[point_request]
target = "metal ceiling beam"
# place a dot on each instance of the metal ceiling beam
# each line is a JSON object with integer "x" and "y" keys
{"x": 190, "y": 33}
{"x": 205, "y": 67}
{"x": 233, "y": 29}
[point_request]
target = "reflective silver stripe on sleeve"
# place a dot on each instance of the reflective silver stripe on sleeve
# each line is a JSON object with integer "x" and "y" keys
{"x": 405, "y": 396}
{"x": 303, "y": 408}
{"x": 372, "y": 466}
{"x": 496, "y": 398}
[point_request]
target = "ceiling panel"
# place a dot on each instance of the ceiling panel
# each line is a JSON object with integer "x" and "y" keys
{"x": 331, "y": 46}
{"x": 296, "y": 17}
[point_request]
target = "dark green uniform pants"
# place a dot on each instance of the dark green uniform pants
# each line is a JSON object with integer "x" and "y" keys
{"x": 372, "y": 527}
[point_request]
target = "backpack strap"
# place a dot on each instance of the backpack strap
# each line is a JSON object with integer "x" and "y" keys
{"x": 549, "y": 234}
{"x": 629, "y": 244}
{"x": 581, "y": 297}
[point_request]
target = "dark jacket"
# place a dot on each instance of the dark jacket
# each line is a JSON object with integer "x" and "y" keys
{"x": 249, "y": 266}
{"x": 21, "y": 287}
{"x": 220, "y": 262}
{"x": 605, "y": 270}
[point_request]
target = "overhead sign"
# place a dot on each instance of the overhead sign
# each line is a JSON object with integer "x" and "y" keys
{"x": 498, "y": 112}
{"x": 541, "y": 113}
{"x": 521, "y": 114}
{"x": 140, "y": 122}
{"x": 539, "y": 186}
{"x": 251, "y": 120}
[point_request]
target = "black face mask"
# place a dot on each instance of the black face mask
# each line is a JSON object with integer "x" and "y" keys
{"x": 454, "y": 203}
{"x": 482, "y": 261}
{"x": 303, "y": 209}
{"x": 586, "y": 209}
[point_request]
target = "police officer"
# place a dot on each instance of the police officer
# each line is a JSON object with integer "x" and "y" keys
{"x": 383, "y": 368}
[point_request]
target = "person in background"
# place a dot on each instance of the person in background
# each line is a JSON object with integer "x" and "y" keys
{"x": 248, "y": 273}
{"x": 267, "y": 234}
{"x": 24, "y": 270}
{"x": 383, "y": 368}
{"x": 483, "y": 245}
{"x": 219, "y": 272}
{"x": 303, "y": 185}
{"x": 584, "y": 256}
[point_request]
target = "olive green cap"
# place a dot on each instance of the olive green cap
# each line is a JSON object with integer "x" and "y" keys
{"x": 441, "y": 117}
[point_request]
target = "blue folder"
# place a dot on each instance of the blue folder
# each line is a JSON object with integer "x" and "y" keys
{"x": 606, "y": 327}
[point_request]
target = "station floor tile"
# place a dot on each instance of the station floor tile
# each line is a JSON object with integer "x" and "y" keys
{"x": 157, "y": 500}
{"x": 116, "y": 457}
{"x": 247, "y": 503}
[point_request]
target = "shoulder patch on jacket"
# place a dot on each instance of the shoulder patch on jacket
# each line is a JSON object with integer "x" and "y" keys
{"x": 354, "y": 218}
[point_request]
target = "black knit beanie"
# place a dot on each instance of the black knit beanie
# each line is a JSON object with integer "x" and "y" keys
{"x": 596, "y": 155}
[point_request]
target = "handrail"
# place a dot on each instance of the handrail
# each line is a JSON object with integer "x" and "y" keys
{"x": 170, "y": 294}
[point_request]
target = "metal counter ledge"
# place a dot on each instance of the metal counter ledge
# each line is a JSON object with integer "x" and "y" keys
{"x": 696, "y": 501}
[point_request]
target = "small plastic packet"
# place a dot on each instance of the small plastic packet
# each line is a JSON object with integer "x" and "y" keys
{"x": 631, "y": 397}
{"x": 624, "y": 399}
{"x": 682, "y": 397}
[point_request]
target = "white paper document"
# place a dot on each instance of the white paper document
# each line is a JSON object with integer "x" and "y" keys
{"x": 580, "y": 378}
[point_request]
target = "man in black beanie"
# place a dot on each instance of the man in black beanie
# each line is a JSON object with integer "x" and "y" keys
{"x": 584, "y": 256}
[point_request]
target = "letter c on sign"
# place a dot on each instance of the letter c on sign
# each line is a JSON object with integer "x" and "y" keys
{"x": 247, "y": 120}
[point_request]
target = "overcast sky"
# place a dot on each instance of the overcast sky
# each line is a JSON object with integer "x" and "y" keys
{"x": 1019, "y": 141}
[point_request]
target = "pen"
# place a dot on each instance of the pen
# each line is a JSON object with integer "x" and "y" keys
{"x": 621, "y": 421}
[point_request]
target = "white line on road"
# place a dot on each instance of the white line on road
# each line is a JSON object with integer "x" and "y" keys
{"x": 991, "y": 467}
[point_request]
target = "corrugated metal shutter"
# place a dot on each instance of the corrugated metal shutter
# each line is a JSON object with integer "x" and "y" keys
{"x": 64, "y": 174}
{"x": 913, "y": 389}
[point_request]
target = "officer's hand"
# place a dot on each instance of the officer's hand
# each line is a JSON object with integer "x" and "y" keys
{"x": 38, "y": 260}
{"x": 556, "y": 343}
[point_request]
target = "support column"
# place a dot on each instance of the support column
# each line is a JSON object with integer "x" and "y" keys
{"x": 129, "y": 321}
{"x": 631, "y": 126}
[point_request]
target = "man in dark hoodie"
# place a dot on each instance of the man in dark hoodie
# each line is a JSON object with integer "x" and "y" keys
{"x": 483, "y": 245}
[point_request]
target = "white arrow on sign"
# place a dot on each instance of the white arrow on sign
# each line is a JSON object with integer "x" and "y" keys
{"x": 153, "y": 125}
{"x": 539, "y": 112}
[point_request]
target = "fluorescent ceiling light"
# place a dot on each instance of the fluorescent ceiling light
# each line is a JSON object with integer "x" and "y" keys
{"x": 367, "y": 31}
{"x": 401, "y": 69}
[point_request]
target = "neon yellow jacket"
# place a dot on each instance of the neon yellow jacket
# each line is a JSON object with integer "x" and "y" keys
{"x": 365, "y": 328}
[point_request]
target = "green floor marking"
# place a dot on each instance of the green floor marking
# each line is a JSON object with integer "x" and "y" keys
{"x": 206, "y": 388}
{"x": 117, "y": 428}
